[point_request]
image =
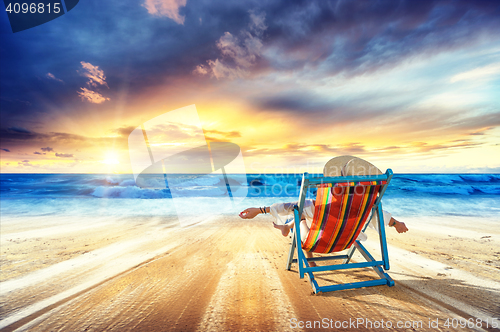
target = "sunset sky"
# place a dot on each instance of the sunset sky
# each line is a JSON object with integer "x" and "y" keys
{"x": 410, "y": 85}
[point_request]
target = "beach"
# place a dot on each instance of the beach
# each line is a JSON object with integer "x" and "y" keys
{"x": 62, "y": 273}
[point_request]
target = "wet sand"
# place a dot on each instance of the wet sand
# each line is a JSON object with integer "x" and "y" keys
{"x": 148, "y": 274}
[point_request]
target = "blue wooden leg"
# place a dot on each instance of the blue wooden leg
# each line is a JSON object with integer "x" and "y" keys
{"x": 381, "y": 233}
{"x": 290, "y": 253}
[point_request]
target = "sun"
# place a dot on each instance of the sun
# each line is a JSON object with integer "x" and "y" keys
{"x": 110, "y": 158}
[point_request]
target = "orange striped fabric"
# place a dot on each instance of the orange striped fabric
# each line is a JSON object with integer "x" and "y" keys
{"x": 340, "y": 213}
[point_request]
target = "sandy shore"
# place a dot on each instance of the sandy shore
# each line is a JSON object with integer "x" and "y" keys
{"x": 147, "y": 274}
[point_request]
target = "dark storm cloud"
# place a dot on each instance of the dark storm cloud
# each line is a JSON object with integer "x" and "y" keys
{"x": 31, "y": 138}
{"x": 137, "y": 51}
{"x": 312, "y": 108}
{"x": 20, "y": 130}
{"x": 360, "y": 36}
{"x": 296, "y": 102}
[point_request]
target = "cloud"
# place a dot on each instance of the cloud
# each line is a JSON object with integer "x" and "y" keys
{"x": 6, "y": 150}
{"x": 239, "y": 54}
{"x": 487, "y": 72}
{"x": 124, "y": 131}
{"x": 303, "y": 150}
{"x": 354, "y": 38}
{"x": 220, "y": 136}
{"x": 91, "y": 96}
{"x": 96, "y": 78}
{"x": 227, "y": 134}
{"x": 257, "y": 24}
{"x": 201, "y": 69}
{"x": 219, "y": 69}
{"x": 94, "y": 74}
{"x": 19, "y": 130}
{"x": 298, "y": 151}
{"x": 52, "y": 77}
{"x": 168, "y": 8}
{"x": 33, "y": 139}
{"x": 64, "y": 155}
{"x": 25, "y": 163}
{"x": 424, "y": 147}
{"x": 316, "y": 109}
{"x": 36, "y": 152}
{"x": 171, "y": 132}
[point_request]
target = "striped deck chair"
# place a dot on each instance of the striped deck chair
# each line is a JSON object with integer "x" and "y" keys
{"x": 343, "y": 205}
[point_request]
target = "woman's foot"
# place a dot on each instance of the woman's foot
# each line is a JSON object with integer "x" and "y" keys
{"x": 285, "y": 229}
{"x": 310, "y": 255}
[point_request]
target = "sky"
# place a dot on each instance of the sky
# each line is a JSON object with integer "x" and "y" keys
{"x": 408, "y": 85}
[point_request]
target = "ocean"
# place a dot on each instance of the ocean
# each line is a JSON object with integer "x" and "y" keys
{"x": 475, "y": 195}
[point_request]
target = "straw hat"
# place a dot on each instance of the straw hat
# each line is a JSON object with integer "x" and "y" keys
{"x": 335, "y": 166}
{"x": 349, "y": 165}
{"x": 358, "y": 166}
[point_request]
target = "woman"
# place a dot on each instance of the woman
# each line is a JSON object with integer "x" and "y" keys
{"x": 340, "y": 166}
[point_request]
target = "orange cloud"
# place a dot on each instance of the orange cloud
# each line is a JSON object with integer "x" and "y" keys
{"x": 96, "y": 78}
{"x": 94, "y": 74}
{"x": 168, "y": 8}
{"x": 91, "y": 96}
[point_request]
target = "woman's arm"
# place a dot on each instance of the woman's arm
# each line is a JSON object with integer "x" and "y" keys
{"x": 277, "y": 209}
{"x": 252, "y": 212}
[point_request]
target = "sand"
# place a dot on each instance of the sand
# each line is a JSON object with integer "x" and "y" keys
{"x": 148, "y": 274}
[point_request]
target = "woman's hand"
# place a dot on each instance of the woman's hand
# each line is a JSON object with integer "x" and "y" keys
{"x": 250, "y": 213}
{"x": 401, "y": 227}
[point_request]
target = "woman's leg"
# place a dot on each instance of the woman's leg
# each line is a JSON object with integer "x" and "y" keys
{"x": 304, "y": 231}
{"x": 285, "y": 229}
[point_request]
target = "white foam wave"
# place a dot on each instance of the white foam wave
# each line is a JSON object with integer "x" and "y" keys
{"x": 126, "y": 183}
{"x": 112, "y": 181}
{"x": 128, "y": 192}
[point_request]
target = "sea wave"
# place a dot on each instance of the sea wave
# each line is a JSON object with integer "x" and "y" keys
{"x": 451, "y": 190}
{"x": 481, "y": 177}
{"x": 118, "y": 194}
{"x": 130, "y": 192}
{"x": 255, "y": 185}
{"x": 493, "y": 190}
